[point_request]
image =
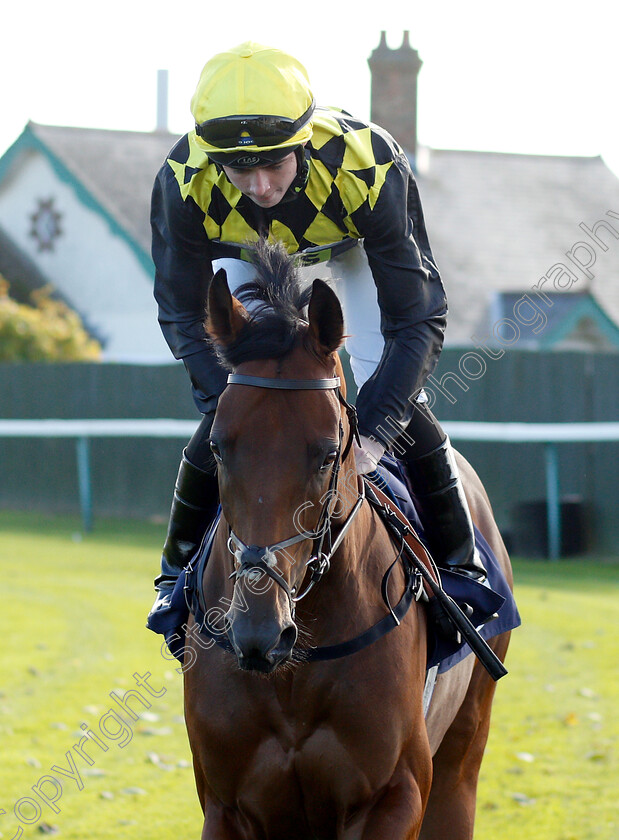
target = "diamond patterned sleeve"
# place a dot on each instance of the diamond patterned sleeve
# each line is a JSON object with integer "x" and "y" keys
{"x": 411, "y": 298}
{"x": 181, "y": 254}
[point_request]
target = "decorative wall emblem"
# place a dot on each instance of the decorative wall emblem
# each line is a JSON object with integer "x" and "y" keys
{"x": 45, "y": 224}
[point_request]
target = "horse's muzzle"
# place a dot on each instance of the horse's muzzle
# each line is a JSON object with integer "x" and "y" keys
{"x": 262, "y": 647}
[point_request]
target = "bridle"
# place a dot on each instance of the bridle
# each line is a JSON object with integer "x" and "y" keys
{"x": 262, "y": 558}
{"x": 418, "y": 578}
{"x": 250, "y": 558}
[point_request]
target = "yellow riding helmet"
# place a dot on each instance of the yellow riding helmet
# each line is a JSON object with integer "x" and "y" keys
{"x": 253, "y": 105}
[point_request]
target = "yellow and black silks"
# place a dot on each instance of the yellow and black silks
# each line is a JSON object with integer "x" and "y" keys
{"x": 348, "y": 165}
{"x": 359, "y": 187}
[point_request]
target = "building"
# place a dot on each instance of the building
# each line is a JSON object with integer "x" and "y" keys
{"x": 528, "y": 246}
{"x": 504, "y": 227}
{"x": 513, "y": 234}
{"x": 74, "y": 213}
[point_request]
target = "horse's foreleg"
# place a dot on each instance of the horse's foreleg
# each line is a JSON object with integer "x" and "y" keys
{"x": 398, "y": 813}
{"x": 451, "y": 806}
{"x": 217, "y": 826}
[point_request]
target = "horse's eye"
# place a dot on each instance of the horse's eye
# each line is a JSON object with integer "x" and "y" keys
{"x": 329, "y": 460}
{"x": 215, "y": 451}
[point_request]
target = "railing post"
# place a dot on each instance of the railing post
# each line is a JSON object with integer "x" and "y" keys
{"x": 553, "y": 503}
{"x": 84, "y": 481}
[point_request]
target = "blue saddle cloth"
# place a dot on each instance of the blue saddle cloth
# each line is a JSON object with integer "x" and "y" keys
{"x": 497, "y": 597}
{"x": 484, "y": 600}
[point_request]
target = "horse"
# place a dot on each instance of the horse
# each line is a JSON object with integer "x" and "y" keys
{"x": 283, "y": 746}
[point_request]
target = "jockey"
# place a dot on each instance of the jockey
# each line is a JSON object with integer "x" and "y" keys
{"x": 264, "y": 160}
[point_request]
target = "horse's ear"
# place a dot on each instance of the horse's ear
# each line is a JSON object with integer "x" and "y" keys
{"x": 326, "y": 321}
{"x": 225, "y": 315}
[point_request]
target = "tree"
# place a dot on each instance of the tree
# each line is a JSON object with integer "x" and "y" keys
{"x": 48, "y": 330}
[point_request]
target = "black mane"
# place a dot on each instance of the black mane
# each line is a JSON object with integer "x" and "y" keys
{"x": 277, "y": 302}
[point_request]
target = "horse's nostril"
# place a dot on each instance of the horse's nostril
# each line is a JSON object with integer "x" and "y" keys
{"x": 288, "y": 638}
{"x": 258, "y": 647}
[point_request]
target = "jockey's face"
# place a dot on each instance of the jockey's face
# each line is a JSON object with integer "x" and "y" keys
{"x": 265, "y": 185}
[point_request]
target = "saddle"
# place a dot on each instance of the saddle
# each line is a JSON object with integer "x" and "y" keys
{"x": 489, "y": 609}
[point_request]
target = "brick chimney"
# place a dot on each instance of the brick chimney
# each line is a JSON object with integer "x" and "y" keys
{"x": 394, "y": 91}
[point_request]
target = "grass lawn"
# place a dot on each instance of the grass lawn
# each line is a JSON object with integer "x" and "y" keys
{"x": 73, "y": 613}
{"x": 551, "y": 769}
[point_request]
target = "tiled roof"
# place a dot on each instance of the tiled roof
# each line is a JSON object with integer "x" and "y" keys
{"x": 499, "y": 222}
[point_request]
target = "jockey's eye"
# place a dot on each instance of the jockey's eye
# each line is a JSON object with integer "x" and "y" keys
{"x": 215, "y": 450}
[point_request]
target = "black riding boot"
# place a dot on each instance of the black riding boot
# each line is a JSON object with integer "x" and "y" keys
{"x": 444, "y": 512}
{"x": 194, "y": 506}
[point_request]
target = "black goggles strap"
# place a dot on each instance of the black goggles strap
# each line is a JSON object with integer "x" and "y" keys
{"x": 251, "y": 130}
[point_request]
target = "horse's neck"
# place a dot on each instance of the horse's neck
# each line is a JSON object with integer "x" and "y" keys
{"x": 350, "y": 591}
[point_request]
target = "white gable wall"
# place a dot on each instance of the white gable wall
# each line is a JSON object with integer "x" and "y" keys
{"x": 92, "y": 266}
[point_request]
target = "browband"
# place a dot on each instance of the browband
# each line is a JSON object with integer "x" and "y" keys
{"x": 284, "y": 384}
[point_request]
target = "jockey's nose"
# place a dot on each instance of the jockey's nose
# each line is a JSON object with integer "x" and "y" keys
{"x": 260, "y": 183}
{"x": 260, "y": 646}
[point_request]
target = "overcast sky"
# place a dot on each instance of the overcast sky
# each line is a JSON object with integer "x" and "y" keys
{"x": 530, "y": 77}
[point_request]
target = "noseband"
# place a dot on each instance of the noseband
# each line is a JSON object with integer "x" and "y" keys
{"x": 251, "y": 558}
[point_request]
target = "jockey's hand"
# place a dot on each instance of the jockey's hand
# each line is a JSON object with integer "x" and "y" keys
{"x": 368, "y": 454}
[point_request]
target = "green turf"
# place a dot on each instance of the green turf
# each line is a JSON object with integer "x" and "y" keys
{"x": 73, "y": 625}
{"x": 551, "y": 767}
{"x": 73, "y": 610}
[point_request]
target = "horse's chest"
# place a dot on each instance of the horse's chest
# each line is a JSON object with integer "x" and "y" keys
{"x": 327, "y": 750}
{"x": 308, "y": 786}
{"x": 309, "y": 751}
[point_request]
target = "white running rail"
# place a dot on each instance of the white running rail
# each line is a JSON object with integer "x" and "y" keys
{"x": 549, "y": 434}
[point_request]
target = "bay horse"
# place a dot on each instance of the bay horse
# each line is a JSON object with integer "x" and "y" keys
{"x": 285, "y": 748}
